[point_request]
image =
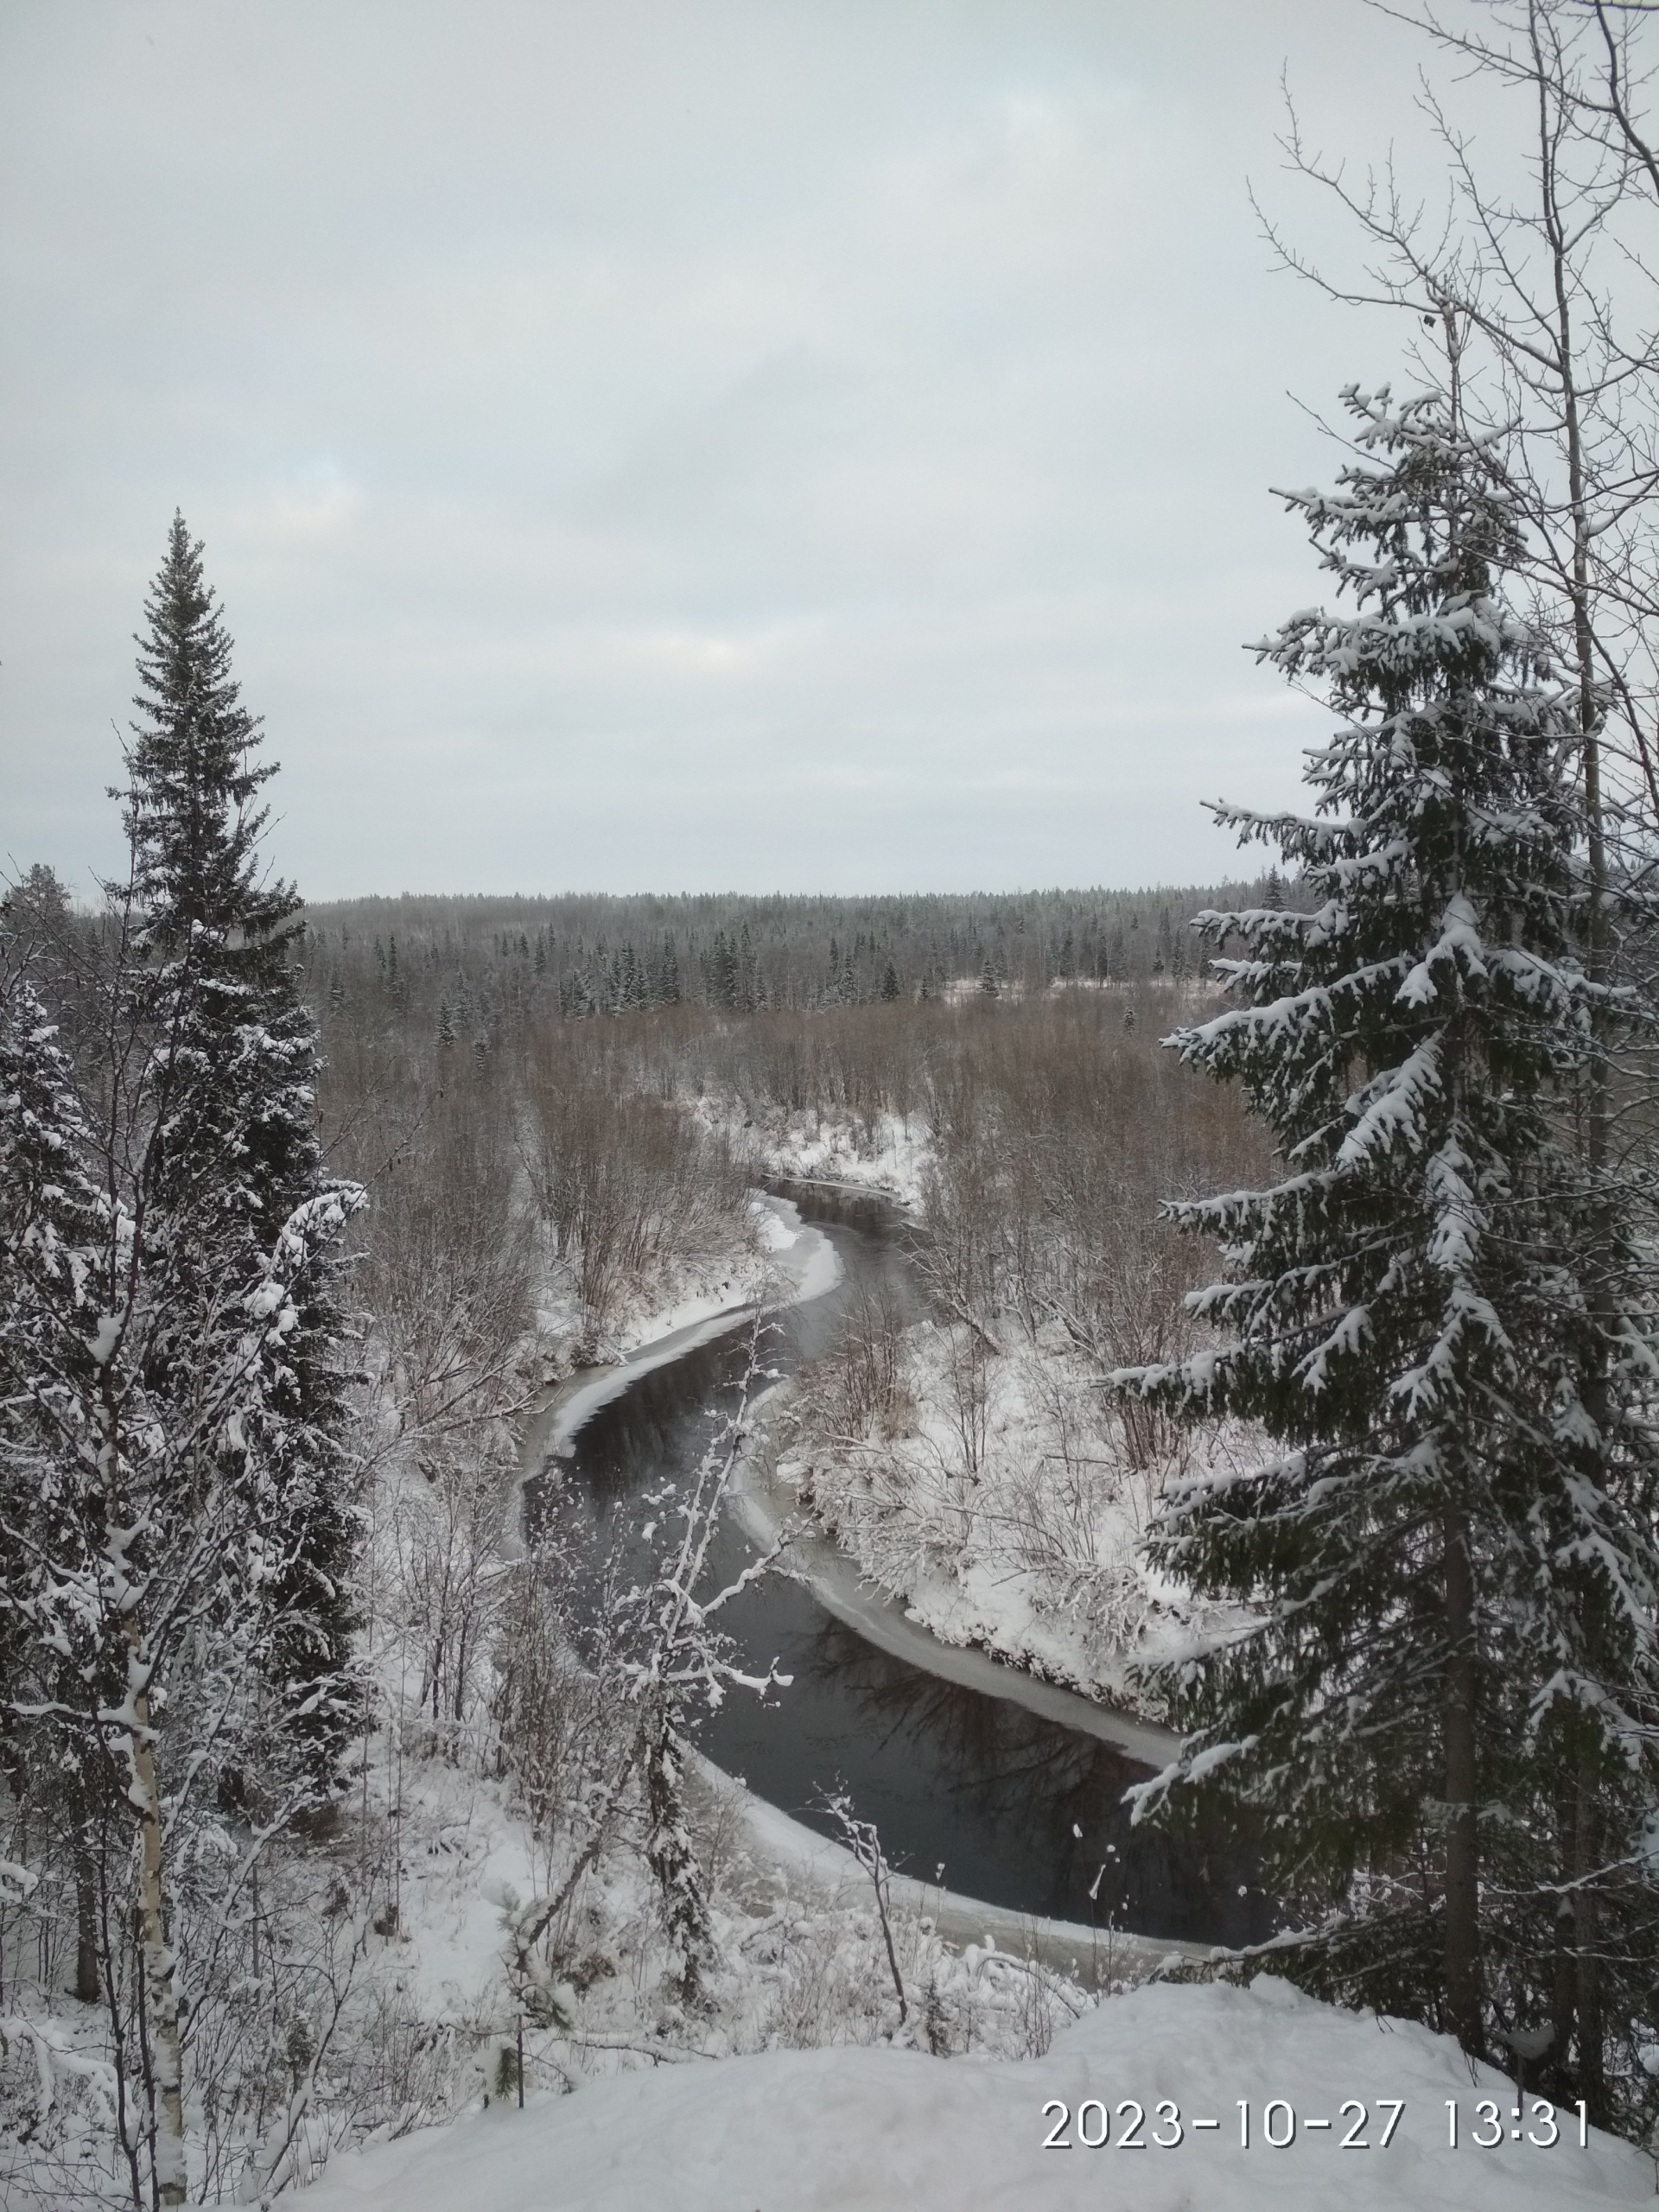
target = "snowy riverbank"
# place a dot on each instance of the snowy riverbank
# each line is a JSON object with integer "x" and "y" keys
{"x": 769, "y": 1510}
{"x": 791, "y": 1262}
{"x": 777, "y": 1847}
{"x": 993, "y": 1501}
{"x": 991, "y": 1491}
{"x": 802, "y": 1264}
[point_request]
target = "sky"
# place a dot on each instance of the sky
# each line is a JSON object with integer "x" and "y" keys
{"x": 802, "y": 445}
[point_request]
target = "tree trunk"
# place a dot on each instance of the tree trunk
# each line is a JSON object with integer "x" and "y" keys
{"x": 161, "y": 1966}
{"x": 89, "y": 1980}
{"x": 1564, "y": 1979}
{"x": 1462, "y": 1840}
{"x": 1591, "y": 2071}
{"x": 669, "y": 1855}
{"x": 1597, "y": 964}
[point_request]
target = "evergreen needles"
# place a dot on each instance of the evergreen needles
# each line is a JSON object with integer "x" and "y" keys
{"x": 177, "y": 1519}
{"x": 1440, "y": 1711}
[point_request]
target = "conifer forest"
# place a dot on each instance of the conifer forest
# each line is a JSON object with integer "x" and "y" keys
{"x": 592, "y": 1484}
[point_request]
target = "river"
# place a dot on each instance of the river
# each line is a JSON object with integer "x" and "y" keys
{"x": 966, "y": 1787}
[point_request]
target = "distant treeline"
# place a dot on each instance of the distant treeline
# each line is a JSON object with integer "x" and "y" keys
{"x": 477, "y": 967}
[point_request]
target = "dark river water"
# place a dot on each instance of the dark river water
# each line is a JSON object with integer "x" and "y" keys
{"x": 972, "y": 1788}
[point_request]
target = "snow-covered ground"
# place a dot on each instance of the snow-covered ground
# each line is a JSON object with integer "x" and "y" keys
{"x": 996, "y": 1496}
{"x": 637, "y": 2105}
{"x": 684, "y": 1290}
{"x": 883, "y": 2129}
{"x": 891, "y": 1153}
{"x": 799, "y": 2085}
{"x": 789, "y": 1261}
{"x": 764, "y": 1497}
{"x": 801, "y": 1957}
{"x": 439, "y": 1853}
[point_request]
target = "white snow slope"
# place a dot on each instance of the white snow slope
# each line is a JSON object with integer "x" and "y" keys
{"x": 879, "y": 2130}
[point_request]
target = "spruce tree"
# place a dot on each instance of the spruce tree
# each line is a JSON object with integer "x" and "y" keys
{"x": 1438, "y": 1698}
{"x": 668, "y": 975}
{"x": 49, "y": 1213}
{"x": 243, "y": 1063}
{"x": 723, "y": 980}
{"x": 745, "y": 980}
{"x": 150, "y": 1577}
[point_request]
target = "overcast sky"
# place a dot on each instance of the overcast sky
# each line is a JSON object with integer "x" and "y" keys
{"x": 809, "y": 444}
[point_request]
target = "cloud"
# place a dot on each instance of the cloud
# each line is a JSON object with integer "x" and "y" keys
{"x": 317, "y": 502}
{"x": 856, "y": 416}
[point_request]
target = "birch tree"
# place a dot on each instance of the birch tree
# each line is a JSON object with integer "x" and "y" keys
{"x": 137, "y": 1347}
{"x": 176, "y": 1515}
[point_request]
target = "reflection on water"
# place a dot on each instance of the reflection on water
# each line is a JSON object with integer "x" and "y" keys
{"x": 1013, "y": 1808}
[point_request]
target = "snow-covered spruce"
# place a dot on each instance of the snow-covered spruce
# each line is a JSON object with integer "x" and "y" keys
{"x": 176, "y": 1523}
{"x": 236, "y": 1051}
{"x": 136, "y": 1350}
{"x": 1443, "y": 1313}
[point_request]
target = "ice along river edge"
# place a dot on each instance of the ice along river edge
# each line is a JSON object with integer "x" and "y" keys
{"x": 808, "y": 1267}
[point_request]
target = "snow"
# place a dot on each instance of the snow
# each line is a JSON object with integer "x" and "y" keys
{"x": 800, "y": 1263}
{"x": 797, "y": 1263}
{"x": 105, "y": 1339}
{"x": 989, "y": 1587}
{"x": 889, "y": 1152}
{"x": 593, "y": 1389}
{"x": 1037, "y": 1623}
{"x": 780, "y": 1849}
{"x": 684, "y": 1284}
{"x": 803, "y": 1263}
{"x": 772, "y": 1231}
{"x": 1028, "y": 1561}
{"x": 886, "y": 2130}
{"x": 898, "y": 1629}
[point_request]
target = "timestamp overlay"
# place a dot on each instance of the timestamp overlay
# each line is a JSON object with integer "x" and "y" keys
{"x": 1361, "y": 2124}
{"x": 1255, "y": 2098}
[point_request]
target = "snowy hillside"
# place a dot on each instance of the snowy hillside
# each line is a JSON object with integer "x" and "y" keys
{"x": 894, "y": 2131}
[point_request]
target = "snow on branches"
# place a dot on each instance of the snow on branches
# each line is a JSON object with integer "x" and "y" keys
{"x": 1445, "y": 1310}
